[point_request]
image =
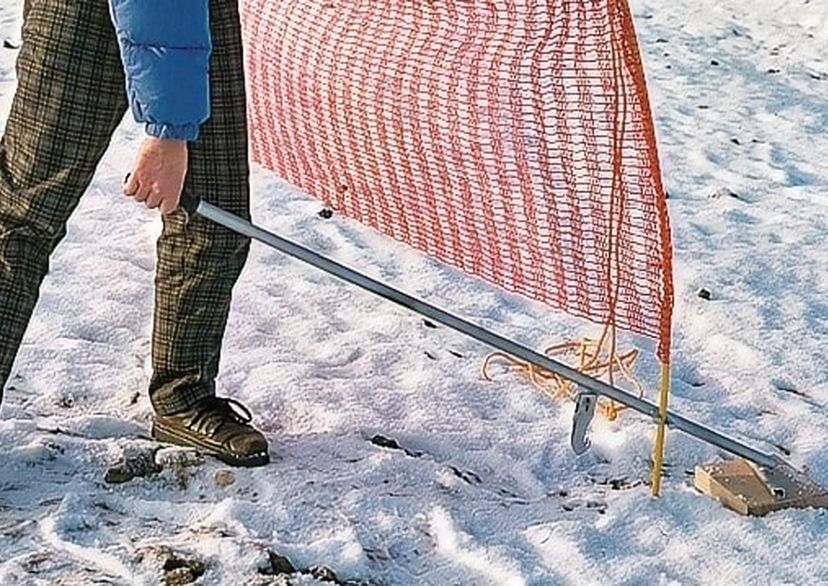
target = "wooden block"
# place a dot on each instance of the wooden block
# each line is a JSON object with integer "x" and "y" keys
{"x": 749, "y": 490}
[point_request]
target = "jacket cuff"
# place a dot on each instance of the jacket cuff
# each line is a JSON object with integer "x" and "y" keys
{"x": 187, "y": 132}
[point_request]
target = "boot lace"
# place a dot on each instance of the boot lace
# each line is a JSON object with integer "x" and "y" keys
{"x": 217, "y": 410}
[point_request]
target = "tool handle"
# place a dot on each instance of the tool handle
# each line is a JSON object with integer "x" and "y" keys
{"x": 189, "y": 202}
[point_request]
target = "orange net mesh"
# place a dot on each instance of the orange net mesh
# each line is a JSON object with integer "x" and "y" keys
{"x": 512, "y": 139}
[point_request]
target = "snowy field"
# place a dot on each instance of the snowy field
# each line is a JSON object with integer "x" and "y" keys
{"x": 398, "y": 464}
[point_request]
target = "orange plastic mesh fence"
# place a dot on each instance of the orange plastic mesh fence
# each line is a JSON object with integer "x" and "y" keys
{"x": 512, "y": 139}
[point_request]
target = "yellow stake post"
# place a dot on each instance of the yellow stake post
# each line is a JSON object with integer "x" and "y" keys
{"x": 661, "y": 432}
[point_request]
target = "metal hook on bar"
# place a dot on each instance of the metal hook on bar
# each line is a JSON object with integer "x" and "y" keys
{"x": 584, "y": 412}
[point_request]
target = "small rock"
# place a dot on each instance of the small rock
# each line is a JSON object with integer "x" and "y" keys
{"x": 714, "y": 63}
{"x": 179, "y": 577}
{"x": 324, "y": 574}
{"x": 134, "y": 464}
{"x": 326, "y": 213}
{"x": 722, "y": 192}
{"x": 385, "y": 442}
{"x": 705, "y": 294}
{"x": 785, "y": 450}
{"x": 179, "y": 571}
{"x": 278, "y": 565}
{"x": 9, "y": 44}
{"x": 224, "y": 478}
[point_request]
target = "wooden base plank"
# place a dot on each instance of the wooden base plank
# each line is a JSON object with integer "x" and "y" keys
{"x": 748, "y": 490}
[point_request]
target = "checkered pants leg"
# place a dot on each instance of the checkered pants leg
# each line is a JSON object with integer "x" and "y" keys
{"x": 199, "y": 261}
{"x": 69, "y": 100}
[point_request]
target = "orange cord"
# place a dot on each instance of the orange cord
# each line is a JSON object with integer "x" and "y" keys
{"x": 592, "y": 360}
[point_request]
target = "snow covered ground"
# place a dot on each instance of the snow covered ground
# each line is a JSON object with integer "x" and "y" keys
{"x": 398, "y": 464}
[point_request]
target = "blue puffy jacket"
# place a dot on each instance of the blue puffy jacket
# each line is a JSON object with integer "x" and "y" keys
{"x": 165, "y": 47}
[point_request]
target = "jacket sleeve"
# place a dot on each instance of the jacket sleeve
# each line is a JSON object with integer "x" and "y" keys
{"x": 165, "y": 48}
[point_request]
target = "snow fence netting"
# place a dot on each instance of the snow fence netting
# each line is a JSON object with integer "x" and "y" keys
{"x": 511, "y": 139}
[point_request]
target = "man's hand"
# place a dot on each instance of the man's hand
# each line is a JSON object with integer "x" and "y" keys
{"x": 158, "y": 176}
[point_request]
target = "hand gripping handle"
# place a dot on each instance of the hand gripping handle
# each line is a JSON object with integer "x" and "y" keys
{"x": 188, "y": 202}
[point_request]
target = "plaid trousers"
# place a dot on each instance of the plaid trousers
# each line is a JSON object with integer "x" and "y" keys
{"x": 69, "y": 100}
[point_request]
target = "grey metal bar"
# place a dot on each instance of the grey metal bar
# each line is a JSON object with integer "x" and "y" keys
{"x": 675, "y": 420}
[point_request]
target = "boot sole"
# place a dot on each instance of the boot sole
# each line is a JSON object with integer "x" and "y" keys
{"x": 171, "y": 436}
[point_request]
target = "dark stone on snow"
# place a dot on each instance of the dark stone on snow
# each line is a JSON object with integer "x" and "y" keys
{"x": 392, "y": 444}
{"x": 179, "y": 571}
{"x": 466, "y": 476}
{"x": 785, "y": 450}
{"x": 278, "y": 565}
{"x": 324, "y": 574}
{"x": 789, "y": 388}
{"x": 138, "y": 465}
{"x": 385, "y": 442}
